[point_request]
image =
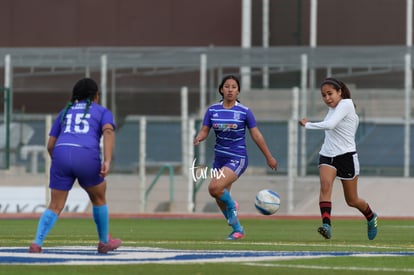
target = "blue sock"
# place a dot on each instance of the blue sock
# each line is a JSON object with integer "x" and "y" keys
{"x": 101, "y": 218}
{"x": 46, "y": 223}
{"x": 227, "y": 200}
{"x": 231, "y": 206}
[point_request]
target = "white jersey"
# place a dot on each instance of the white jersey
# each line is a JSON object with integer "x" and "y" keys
{"x": 340, "y": 125}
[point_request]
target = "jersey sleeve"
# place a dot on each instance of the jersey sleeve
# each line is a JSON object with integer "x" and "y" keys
{"x": 56, "y": 127}
{"x": 107, "y": 118}
{"x": 330, "y": 122}
{"x": 207, "y": 119}
{"x": 250, "y": 119}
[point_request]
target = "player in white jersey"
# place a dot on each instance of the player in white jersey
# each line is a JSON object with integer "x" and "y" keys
{"x": 338, "y": 157}
{"x": 229, "y": 119}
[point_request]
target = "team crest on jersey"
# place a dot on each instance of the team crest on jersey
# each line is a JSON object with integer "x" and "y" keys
{"x": 236, "y": 116}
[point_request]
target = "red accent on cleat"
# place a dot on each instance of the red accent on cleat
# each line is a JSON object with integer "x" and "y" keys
{"x": 235, "y": 236}
{"x": 110, "y": 246}
{"x": 34, "y": 248}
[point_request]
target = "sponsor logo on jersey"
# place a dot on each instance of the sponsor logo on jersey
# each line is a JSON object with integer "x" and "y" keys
{"x": 224, "y": 126}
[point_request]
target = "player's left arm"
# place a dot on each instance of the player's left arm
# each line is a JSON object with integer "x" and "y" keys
{"x": 108, "y": 146}
{"x": 261, "y": 143}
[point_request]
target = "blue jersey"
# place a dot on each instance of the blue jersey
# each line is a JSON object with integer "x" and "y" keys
{"x": 79, "y": 129}
{"x": 230, "y": 128}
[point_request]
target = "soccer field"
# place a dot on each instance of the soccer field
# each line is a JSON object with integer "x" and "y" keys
{"x": 197, "y": 246}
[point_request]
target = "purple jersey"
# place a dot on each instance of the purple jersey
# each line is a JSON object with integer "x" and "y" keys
{"x": 230, "y": 128}
{"x": 79, "y": 129}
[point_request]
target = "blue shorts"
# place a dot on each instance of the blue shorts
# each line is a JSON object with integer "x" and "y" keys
{"x": 238, "y": 165}
{"x": 71, "y": 163}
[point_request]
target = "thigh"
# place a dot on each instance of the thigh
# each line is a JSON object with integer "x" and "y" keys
{"x": 61, "y": 173}
{"x": 228, "y": 176}
{"x": 327, "y": 171}
{"x": 350, "y": 189}
{"x": 327, "y": 175}
{"x": 97, "y": 194}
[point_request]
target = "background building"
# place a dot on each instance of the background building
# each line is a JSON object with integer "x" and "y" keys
{"x": 154, "y": 49}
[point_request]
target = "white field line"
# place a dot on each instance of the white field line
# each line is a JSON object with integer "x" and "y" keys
{"x": 346, "y": 268}
{"x": 285, "y": 244}
{"x": 328, "y": 245}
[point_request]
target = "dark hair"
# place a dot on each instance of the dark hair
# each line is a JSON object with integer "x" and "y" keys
{"x": 84, "y": 89}
{"x": 338, "y": 85}
{"x": 227, "y": 77}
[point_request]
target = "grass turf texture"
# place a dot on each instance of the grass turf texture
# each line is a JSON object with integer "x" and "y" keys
{"x": 208, "y": 234}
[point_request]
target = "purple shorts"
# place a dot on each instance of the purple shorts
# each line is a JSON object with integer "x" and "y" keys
{"x": 70, "y": 163}
{"x": 238, "y": 165}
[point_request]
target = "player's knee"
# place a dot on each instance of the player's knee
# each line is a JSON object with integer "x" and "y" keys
{"x": 56, "y": 209}
{"x": 215, "y": 191}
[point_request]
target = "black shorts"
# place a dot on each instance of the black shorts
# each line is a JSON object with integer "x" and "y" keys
{"x": 346, "y": 165}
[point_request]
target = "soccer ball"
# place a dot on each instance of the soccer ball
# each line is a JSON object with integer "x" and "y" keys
{"x": 267, "y": 202}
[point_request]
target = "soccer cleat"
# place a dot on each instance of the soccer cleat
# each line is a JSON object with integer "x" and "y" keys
{"x": 373, "y": 227}
{"x": 111, "y": 245}
{"x": 325, "y": 231}
{"x": 34, "y": 248}
{"x": 236, "y": 235}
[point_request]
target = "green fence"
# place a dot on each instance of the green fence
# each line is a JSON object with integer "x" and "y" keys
{"x": 5, "y": 146}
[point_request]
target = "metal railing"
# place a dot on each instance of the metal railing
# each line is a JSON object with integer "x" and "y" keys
{"x": 155, "y": 180}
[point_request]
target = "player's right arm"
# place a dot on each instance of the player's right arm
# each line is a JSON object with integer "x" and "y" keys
{"x": 202, "y": 135}
{"x": 51, "y": 144}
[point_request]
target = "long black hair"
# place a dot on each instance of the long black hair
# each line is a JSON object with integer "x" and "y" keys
{"x": 84, "y": 89}
{"x": 227, "y": 77}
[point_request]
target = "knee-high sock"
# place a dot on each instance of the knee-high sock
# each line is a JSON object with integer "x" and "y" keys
{"x": 326, "y": 207}
{"x": 368, "y": 213}
{"x": 228, "y": 200}
{"x": 101, "y": 218}
{"x": 231, "y": 207}
{"x": 45, "y": 224}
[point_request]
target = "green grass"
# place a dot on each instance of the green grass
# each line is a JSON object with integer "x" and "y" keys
{"x": 261, "y": 234}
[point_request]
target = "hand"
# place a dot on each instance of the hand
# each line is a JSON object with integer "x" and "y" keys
{"x": 197, "y": 141}
{"x": 272, "y": 163}
{"x": 303, "y": 121}
{"x": 104, "y": 169}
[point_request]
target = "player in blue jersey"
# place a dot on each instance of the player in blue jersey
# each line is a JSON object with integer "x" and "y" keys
{"x": 74, "y": 146}
{"x": 229, "y": 120}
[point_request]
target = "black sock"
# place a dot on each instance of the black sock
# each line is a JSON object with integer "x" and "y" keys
{"x": 368, "y": 213}
{"x": 326, "y": 207}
